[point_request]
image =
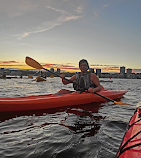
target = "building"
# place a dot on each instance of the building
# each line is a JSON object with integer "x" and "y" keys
{"x": 52, "y": 69}
{"x": 129, "y": 74}
{"x": 122, "y": 70}
{"x": 58, "y": 70}
{"x": 2, "y": 71}
{"x": 129, "y": 71}
{"x": 91, "y": 70}
{"x": 138, "y": 75}
{"x": 98, "y": 72}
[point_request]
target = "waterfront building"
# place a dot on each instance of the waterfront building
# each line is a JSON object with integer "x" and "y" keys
{"x": 58, "y": 70}
{"x": 2, "y": 71}
{"x": 129, "y": 71}
{"x": 98, "y": 72}
{"x": 122, "y": 70}
{"x": 138, "y": 75}
{"x": 91, "y": 70}
{"x": 52, "y": 69}
{"x": 105, "y": 75}
{"x": 129, "y": 74}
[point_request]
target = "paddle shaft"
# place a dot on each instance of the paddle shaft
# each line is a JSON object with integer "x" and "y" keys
{"x": 104, "y": 97}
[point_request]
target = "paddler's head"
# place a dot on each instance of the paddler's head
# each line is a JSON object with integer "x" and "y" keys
{"x": 83, "y": 65}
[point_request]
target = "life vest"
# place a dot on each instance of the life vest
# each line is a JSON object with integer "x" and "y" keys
{"x": 83, "y": 82}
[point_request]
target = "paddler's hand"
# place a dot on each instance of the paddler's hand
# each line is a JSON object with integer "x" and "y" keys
{"x": 62, "y": 76}
{"x": 91, "y": 90}
{"x": 63, "y": 79}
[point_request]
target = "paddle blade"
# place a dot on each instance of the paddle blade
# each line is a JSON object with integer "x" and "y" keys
{"x": 121, "y": 103}
{"x": 33, "y": 63}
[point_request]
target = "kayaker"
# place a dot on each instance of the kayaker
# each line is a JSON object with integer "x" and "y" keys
{"x": 4, "y": 75}
{"x": 82, "y": 81}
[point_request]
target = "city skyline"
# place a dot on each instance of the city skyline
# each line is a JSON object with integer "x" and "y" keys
{"x": 34, "y": 72}
{"x": 59, "y": 33}
{"x": 121, "y": 69}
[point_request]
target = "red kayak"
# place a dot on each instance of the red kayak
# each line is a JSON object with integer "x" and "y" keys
{"x": 131, "y": 144}
{"x": 53, "y": 101}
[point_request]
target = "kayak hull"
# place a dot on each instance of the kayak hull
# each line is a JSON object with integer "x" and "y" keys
{"x": 131, "y": 143}
{"x": 53, "y": 101}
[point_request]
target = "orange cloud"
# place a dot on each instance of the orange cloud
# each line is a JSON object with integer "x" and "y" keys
{"x": 60, "y": 66}
{"x": 8, "y": 62}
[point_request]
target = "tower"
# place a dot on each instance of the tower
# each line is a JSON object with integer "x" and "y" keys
{"x": 122, "y": 70}
{"x": 98, "y": 72}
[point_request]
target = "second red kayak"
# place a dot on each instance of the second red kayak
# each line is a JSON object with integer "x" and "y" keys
{"x": 131, "y": 144}
{"x": 53, "y": 101}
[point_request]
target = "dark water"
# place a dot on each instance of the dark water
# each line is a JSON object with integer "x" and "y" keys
{"x": 87, "y": 131}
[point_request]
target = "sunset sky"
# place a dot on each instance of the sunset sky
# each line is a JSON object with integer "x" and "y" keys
{"x": 59, "y": 33}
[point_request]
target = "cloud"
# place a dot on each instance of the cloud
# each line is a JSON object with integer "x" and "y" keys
{"x": 12, "y": 66}
{"x": 57, "y": 66}
{"x": 72, "y": 18}
{"x": 57, "y": 10}
{"x": 16, "y": 8}
{"x": 106, "y": 68}
{"x": 80, "y": 9}
{"x": 7, "y": 62}
{"x": 106, "y": 5}
{"x": 45, "y": 26}
{"x": 22, "y": 18}
{"x": 70, "y": 67}
{"x": 95, "y": 14}
{"x": 100, "y": 65}
{"x": 136, "y": 70}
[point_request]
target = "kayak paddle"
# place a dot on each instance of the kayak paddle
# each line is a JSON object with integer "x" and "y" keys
{"x": 33, "y": 63}
{"x": 121, "y": 103}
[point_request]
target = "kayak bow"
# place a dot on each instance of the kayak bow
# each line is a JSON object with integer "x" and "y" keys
{"x": 131, "y": 143}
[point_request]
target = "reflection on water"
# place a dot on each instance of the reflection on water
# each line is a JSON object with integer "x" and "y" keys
{"x": 88, "y": 131}
{"x": 89, "y": 127}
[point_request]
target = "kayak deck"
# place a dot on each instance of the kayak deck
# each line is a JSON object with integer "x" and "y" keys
{"x": 52, "y": 101}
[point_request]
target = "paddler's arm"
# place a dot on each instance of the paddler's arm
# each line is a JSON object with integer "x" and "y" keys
{"x": 95, "y": 80}
{"x": 65, "y": 81}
